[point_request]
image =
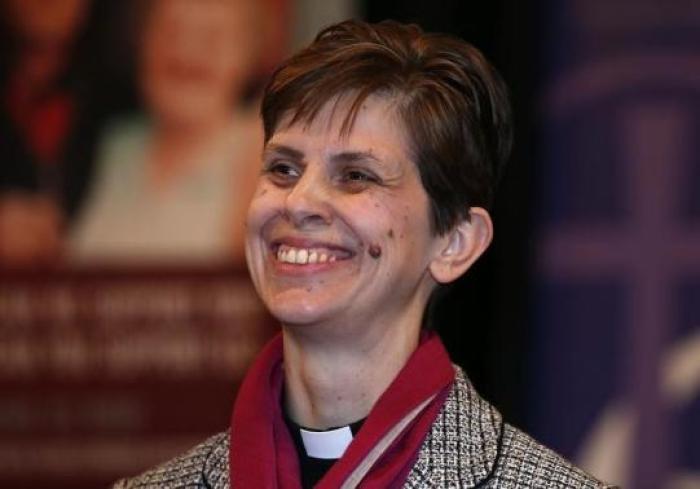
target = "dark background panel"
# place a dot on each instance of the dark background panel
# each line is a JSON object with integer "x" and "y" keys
{"x": 483, "y": 318}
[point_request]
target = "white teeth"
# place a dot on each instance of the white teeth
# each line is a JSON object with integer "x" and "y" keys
{"x": 302, "y": 256}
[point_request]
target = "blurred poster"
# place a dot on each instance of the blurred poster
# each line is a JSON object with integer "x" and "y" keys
{"x": 130, "y": 148}
{"x": 616, "y": 382}
{"x": 130, "y": 130}
{"x": 173, "y": 180}
{"x": 106, "y": 373}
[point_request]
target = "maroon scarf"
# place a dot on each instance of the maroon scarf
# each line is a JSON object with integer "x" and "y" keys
{"x": 382, "y": 453}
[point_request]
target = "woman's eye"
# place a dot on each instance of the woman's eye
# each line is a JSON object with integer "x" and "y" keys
{"x": 282, "y": 172}
{"x": 359, "y": 176}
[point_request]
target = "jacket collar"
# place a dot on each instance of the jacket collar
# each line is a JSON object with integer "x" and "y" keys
{"x": 215, "y": 472}
{"x": 463, "y": 443}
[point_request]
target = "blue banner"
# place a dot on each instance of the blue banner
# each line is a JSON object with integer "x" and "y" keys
{"x": 616, "y": 354}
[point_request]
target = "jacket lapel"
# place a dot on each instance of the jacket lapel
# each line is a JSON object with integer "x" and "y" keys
{"x": 215, "y": 472}
{"x": 462, "y": 446}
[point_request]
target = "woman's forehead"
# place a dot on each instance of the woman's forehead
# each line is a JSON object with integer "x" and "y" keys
{"x": 339, "y": 110}
{"x": 374, "y": 127}
{"x": 342, "y": 117}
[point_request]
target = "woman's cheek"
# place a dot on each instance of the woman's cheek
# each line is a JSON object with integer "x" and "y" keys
{"x": 262, "y": 206}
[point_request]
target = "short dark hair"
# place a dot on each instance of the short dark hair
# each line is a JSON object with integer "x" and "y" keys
{"x": 452, "y": 102}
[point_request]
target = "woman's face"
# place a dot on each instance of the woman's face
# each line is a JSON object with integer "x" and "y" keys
{"x": 197, "y": 56}
{"x": 339, "y": 227}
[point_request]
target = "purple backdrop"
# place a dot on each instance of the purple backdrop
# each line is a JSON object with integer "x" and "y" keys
{"x": 616, "y": 353}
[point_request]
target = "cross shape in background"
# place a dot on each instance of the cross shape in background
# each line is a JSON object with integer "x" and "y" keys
{"x": 651, "y": 252}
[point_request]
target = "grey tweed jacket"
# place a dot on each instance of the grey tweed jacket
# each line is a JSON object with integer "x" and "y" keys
{"x": 469, "y": 446}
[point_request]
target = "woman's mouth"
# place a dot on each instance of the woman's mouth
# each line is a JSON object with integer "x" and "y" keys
{"x": 309, "y": 256}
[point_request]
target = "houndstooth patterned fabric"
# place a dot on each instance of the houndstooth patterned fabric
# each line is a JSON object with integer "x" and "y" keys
{"x": 468, "y": 446}
{"x": 204, "y": 466}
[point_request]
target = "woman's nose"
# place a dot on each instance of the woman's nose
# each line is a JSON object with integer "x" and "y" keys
{"x": 308, "y": 201}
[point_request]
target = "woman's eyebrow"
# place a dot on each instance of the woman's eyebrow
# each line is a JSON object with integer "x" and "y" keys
{"x": 343, "y": 157}
{"x": 282, "y": 150}
{"x": 354, "y": 157}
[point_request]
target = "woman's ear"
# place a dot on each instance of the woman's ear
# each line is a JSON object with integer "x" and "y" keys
{"x": 462, "y": 245}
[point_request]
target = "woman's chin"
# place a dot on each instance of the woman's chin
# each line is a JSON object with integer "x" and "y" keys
{"x": 300, "y": 308}
{"x": 296, "y": 313}
{"x": 295, "y": 316}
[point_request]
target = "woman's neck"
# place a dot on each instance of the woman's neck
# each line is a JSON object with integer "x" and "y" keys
{"x": 337, "y": 384}
{"x": 177, "y": 148}
{"x": 193, "y": 134}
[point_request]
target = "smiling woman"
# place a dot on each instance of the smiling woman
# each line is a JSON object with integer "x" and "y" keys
{"x": 383, "y": 145}
{"x": 173, "y": 183}
{"x": 335, "y": 194}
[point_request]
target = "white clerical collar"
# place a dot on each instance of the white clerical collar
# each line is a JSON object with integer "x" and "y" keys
{"x": 329, "y": 444}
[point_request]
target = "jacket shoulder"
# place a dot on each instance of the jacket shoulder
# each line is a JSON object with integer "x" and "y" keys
{"x": 204, "y": 466}
{"x": 524, "y": 462}
{"x": 469, "y": 446}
